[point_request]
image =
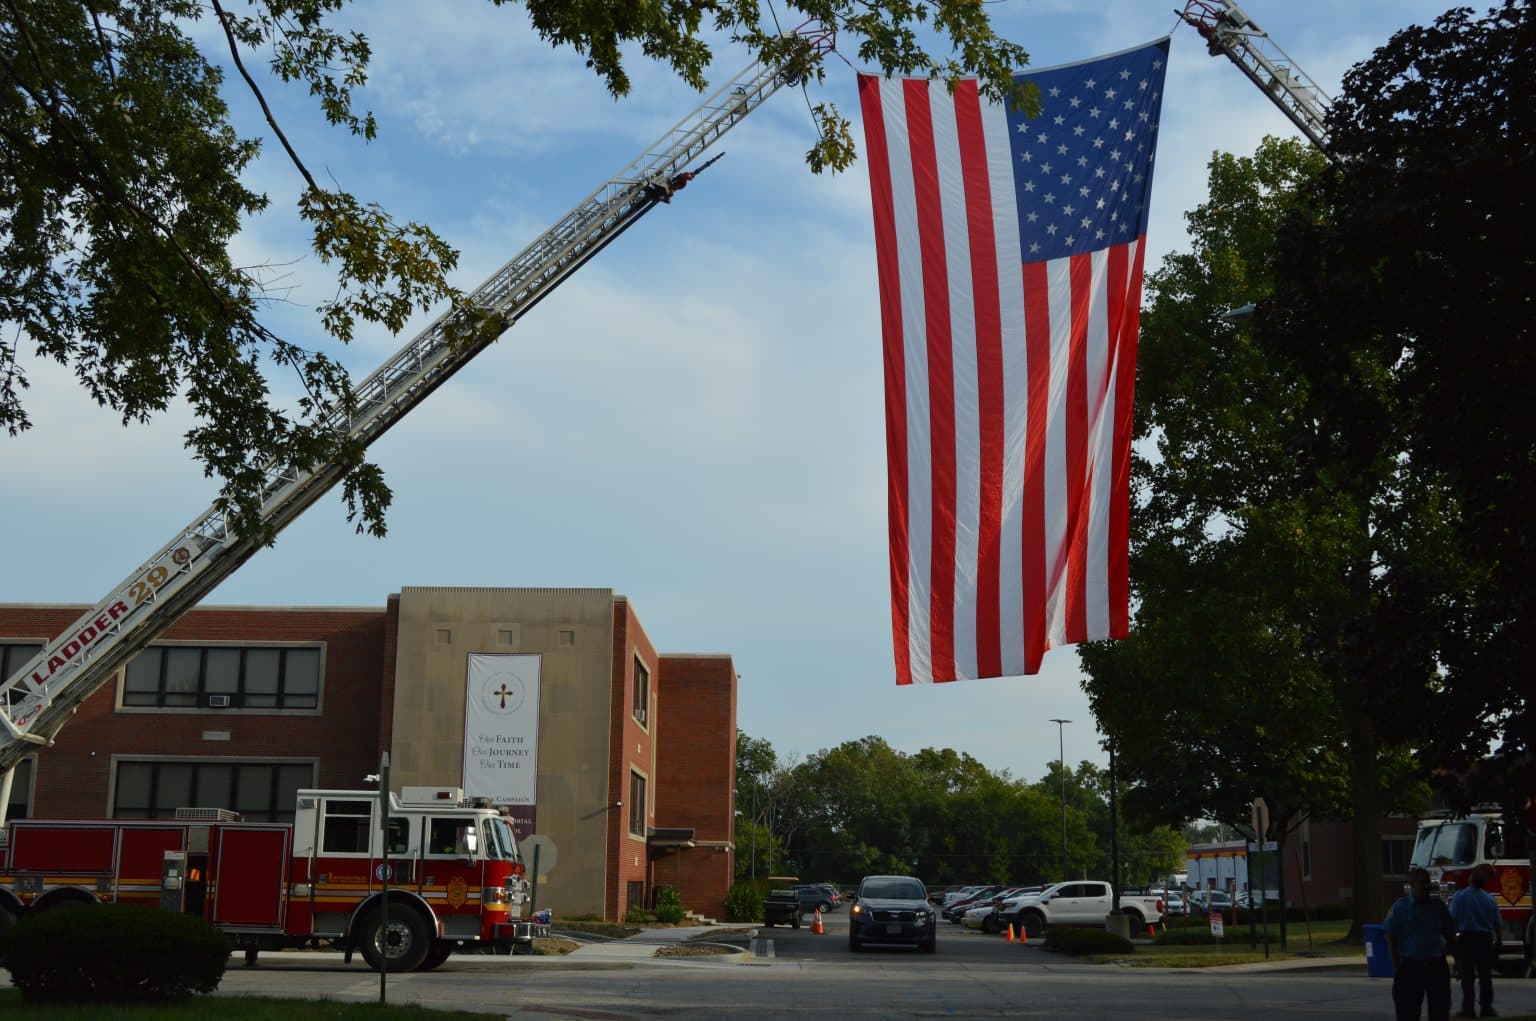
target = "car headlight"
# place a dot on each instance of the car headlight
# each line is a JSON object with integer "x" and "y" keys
{"x": 857, "y": 909}
{"x": 923, "y": 918}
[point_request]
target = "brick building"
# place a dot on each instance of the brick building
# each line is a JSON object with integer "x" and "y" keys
{"x": 239, "y": 707}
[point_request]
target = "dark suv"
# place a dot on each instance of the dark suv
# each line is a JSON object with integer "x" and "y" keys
{"x": 891, "y": 909}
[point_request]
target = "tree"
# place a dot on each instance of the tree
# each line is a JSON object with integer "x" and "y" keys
{"x": 1289, "y": 570}
{"x": 1426, "y": 256}
{"x": 121, "y": 183}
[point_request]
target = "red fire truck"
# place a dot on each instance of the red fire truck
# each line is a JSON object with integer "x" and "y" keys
{"x": 453, "y": 874}
{"x": 1450, "y": 847}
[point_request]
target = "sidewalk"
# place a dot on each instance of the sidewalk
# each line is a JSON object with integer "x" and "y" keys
{"x": 643, "y": 946}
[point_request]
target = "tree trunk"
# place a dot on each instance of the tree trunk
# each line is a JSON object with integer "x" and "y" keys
{"x": 1369, "y": 804}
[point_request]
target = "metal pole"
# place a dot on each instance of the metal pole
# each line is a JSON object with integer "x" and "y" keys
{"x": 1061, "y": 751}
{"x": 533, "y": 894}
{"x": 1114, "y": 831}
{"x": 384, "y": 877}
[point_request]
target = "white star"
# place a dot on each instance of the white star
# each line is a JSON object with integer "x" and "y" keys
{"x": 1026, "y": 156}
{"x": 1074, "y": 102}
{"x": 1055, "y": 92}
{"x": 1084, "y": 191}
{"x": 1034, "y": 248}
{"x": 1066, "y": 178}
{"x": 1109, "y": 93}
{"x": 1050, "y": 198}
{"x": 1060, "y": 120}
{"x": 1099, "y": 204}
{"x": 1098, "y": 235}
{"x": 1090, "y": 83}
{"x": 1029, "y": 185}
{"x": 1124, "y": 74}
{"x": 1114, "y": 122}
{"x": 1098, "y": 171}
{"x": 1114, "y": 154}
{"x": 1045, "y": 168}
{"x": 1033, "y": 216}
{"x": 1082, "y": 161}
{"x": 1061, "y": 150}
{"x": 1067, "y": 210}
{"x": 1071, "y": 240}
{"x": 1050, "y": 229}
{"x": 1086, "y": 222}
{"x": 1041, "y": 138}
{"x": 1093, "y": 111}
{"x": 1098, "y": 143}
{"x": 1078, "y": 131}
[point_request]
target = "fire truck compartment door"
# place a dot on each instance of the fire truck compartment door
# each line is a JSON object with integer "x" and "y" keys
{"x": 250, "y": 873}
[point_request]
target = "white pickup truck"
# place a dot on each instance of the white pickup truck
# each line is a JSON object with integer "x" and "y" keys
{"x": 1083, "y": 902}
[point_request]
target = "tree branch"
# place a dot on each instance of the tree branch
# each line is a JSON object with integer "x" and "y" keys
{"x": 234, "y": 52}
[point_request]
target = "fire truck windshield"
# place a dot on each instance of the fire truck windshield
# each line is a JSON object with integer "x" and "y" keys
{"x": 1452, "y": 843}
{"x": 499, "y": 841}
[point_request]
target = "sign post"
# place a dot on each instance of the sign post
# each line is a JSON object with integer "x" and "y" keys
{"x": 1261, "y": 831}
{"x": 384, "y": 874}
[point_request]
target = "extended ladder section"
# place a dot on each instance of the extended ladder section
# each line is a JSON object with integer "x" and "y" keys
{"x": 40, "y": 698}
{"x": 1228, "y": 30}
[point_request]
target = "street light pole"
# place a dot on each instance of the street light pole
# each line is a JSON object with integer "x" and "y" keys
{"x": 1061, "y": 751}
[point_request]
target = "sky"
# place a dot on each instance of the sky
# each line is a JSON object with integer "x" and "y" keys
{"x": 694, "y": 420}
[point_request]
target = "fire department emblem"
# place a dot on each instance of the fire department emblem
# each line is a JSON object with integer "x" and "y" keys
{"x": 1511, "y": 885}
{"x": 503, "y": 692}
{"x": 458, "y": 891}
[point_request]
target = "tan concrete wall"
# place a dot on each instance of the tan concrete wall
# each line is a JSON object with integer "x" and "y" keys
{"x": 572, "y": 630}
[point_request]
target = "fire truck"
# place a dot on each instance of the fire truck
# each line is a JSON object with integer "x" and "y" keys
{"x": 1452, "y": 847}
{"x": 449, "y": 876}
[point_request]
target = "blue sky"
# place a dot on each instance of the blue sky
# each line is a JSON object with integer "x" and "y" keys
{"x": 694, "y": 419}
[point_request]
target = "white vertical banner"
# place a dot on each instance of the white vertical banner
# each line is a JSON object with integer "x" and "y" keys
{"x": 501, "y": 730}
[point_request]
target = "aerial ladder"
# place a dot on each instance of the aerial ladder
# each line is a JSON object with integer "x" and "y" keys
{"x": 1227, "y": 30}
{"x": 39, "y": 699}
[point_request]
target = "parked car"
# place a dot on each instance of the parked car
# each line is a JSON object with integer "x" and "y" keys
{"x": 956, "y": 909}
{"x": 892, "y": 909}
{"x": 817, "y": 897}
{"x": 1202, "y": 902}
{"x": 781, "y": 907}
{"x": 1173, "y": 903}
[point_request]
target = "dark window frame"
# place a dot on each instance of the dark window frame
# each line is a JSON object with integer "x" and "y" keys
{"x": 637, "y": 794}
{"x": 640, "y": 705}
{"x": 283, "y": 698}
{"x": 228, "y": 798}
{"x": 13, "y": 654}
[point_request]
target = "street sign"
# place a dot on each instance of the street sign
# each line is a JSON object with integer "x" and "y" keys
{"x": 1217, "y": 925}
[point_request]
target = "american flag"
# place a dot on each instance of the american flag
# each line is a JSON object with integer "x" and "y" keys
{"x": 1010, "y": 261}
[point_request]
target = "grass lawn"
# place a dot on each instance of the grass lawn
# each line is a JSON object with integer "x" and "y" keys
{"x": 228, "y": 1008}
{"x": 1327, "y": 941}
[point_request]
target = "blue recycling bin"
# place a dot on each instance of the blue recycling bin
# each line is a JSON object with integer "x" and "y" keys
{"x": 1378, "y": 960}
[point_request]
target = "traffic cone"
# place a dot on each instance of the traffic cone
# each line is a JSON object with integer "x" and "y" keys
{"x": 1010, "y": 933}
{"x": 1151, "y": 931}
{"x": 1023, "y": 934}
{"x": 817, "y": 929}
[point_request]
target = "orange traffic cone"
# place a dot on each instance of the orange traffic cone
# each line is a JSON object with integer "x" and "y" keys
{"x": 1151, "y": 931}
{"x": 1023, "y": 934}
{"x": 817, "y": 929}
{"x": 1010, "y": 933}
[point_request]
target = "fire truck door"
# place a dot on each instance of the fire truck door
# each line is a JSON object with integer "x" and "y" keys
{"x": 248, "y": 867}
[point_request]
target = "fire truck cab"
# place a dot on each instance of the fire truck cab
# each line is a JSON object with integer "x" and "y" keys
{"x": 1451, "y": 847}
{"x": 451, "y": 872}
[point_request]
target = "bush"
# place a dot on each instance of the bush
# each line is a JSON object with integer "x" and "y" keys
{"x": 744, "y": 903}
{"x": 1078, "y": 942}
{"x": 669, "y": 905}
{"x": 637, "y": 915}
{"x": 113, "y": 953}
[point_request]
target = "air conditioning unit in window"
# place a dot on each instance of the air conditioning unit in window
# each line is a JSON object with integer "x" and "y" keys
{"x": 640, "y": 715}
{"x": 218, "y": 701}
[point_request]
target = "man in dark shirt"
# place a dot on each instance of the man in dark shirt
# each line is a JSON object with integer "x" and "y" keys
{"x": 1476, "y": 915}
{"x": 1419, "y": 933}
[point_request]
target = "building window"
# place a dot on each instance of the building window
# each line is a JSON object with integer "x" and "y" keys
{"x": 637, "y": 804}
{"x": 13, "y": 656}
{"x": 259, "y": 791}
{"x": 635, "y": 894}
{"x": 642, "y": 703}
{"x": 21, "y": 790}
{"x": 220, "y": 677}
{"x": 348, "y": 825}
{"x": 1395, "y": 852}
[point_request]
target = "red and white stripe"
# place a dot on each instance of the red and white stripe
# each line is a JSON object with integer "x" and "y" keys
{"x": 1008, "y": 400}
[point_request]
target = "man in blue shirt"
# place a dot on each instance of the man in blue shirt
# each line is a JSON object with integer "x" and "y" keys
{"x": 1476, "y": 915}
{"x": 1419, "y": 933}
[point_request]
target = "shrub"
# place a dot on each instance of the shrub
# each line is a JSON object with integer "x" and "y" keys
{"x": 1068, "y": 940}
{"x": 744, "y": 903}
{"x": 637, "y": 915}
{"x": 669, "y": 905}
{"x": 113, "y": 953}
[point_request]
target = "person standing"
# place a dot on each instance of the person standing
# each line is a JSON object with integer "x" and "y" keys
{"x": 1420, "y": 933}
{"x": 1476, "y": 915}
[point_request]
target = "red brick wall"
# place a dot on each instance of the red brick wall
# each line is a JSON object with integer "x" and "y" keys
{"x": 631, "y": 748}
{"x": 696, "y": 767}
{"x": 73, "y": 777}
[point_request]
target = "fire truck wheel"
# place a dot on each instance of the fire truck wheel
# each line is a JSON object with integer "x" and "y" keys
{"x": 437, "y": 955}
{"x": 408, "y": 939}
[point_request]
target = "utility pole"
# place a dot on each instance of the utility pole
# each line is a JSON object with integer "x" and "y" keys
{"x": 1061, "y": 752}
